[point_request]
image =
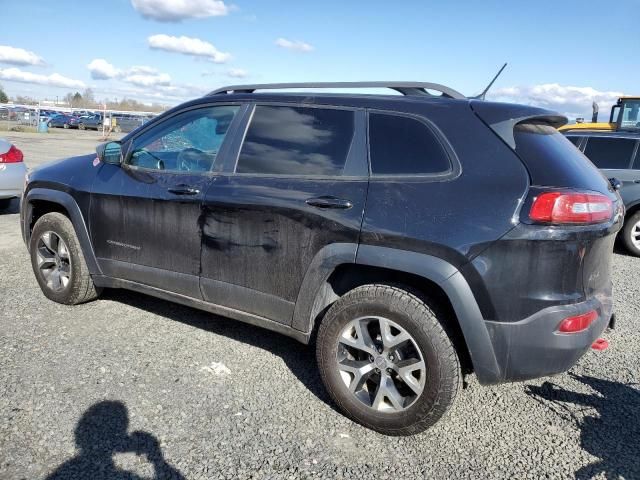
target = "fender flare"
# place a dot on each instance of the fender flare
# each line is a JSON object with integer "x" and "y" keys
{"x": 77, "y": 220}
{"x": 314, "y": 291}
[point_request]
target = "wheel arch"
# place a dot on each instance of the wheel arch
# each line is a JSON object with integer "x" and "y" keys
{"x": 429, "y": 275}
{"x": 40, "y": 201}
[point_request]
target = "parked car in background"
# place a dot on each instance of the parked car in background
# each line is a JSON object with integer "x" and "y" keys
{"x": 416, "y": 238}
{"x": 617, "y": 154}
{"x": 12, "y": 173}
{"x": 90, "y": 122}
{"x": 63, "y": 121}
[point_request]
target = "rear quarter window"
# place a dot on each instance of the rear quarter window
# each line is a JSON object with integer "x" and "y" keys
{"x": 400, "y": 145}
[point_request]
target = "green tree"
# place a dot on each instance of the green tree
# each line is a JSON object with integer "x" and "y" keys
{"x": 3, "y": 96}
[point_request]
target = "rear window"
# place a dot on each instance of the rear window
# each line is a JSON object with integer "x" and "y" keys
{"x": 403, "y": 146}
{"x": 614, "y": 153}
{"x": 552, "y": 160}
{"x": 297, "y": 141}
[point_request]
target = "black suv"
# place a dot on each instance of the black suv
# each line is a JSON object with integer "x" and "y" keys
{"x": 618, "y": 155}
{"x": 415, "y": 238}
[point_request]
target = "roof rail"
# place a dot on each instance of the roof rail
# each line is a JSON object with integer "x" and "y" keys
{"x": 405, "y": 88}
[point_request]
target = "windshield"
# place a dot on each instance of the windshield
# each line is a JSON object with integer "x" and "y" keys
{"x": 631, "y": 115}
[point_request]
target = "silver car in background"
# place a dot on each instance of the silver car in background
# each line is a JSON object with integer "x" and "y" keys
{"x": 12, "y": 173}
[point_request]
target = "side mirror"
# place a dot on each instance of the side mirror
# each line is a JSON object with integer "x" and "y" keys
{"x": 110, "y": 152}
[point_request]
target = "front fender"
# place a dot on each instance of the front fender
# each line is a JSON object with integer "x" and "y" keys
{"x": 65, "y": 200}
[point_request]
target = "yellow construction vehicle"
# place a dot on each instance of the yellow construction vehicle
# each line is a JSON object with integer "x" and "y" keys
{"x": 625, "y": 116}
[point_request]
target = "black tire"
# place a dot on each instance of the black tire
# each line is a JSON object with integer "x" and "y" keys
{"x": 81, "y": 126}
{"x": 80, "y": 287}
{"x": 631, "y": 228}
{"x": 420, "y": 320}
{"x": 5, "y": 203}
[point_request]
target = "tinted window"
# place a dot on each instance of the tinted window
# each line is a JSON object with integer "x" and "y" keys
{"x": 297, "y": 141}
{"x": 574, "y": 140}
{"x": 610, "y": 152}
{"x": 403, "y": 145}
{"x": 188, "y": 141}
{"x": 553, "y": 160}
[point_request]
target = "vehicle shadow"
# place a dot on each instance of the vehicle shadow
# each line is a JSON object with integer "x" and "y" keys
{"x": 299, "y": 358}
{"x": 101, "y": 433}
{"x": 611, "y": 435}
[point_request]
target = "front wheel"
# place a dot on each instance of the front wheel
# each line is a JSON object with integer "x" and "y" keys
{"x": 631, "y": 234}
{"x": 387, "y": 361}
{"x": 58, "y": 262}
{"x": 66, "y": 125}
{"x": 81, "y": 126}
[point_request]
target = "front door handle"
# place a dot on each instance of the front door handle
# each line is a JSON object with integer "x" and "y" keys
{"x": 329, "y": 202}
{"x": 183, "y": 190}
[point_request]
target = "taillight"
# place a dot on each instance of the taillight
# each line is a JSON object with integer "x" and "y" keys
{"x": 577, "y": 323}
{"x": 13, "y": 155}
{"x": 571, "y": 208}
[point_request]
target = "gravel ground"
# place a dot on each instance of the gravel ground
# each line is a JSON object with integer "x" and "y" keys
{"x": 133, "y": 384}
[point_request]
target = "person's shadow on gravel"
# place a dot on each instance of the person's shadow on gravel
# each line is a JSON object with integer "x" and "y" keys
{"x": 611, "y": 435}
{"x": 100, "y": 433}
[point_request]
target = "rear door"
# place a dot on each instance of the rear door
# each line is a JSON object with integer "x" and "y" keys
{"x": 297, "y": 184}
{"x": 615, "y": 157}
{"x": 145, "y": 214}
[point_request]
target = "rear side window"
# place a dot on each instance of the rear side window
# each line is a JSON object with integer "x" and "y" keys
{"x": 612, "y": 153}
{"x": 575, "y": 140}
{"x": 401, "y": 145}
{"x": 296, "y": 141}
{"x": 552, "y": 160}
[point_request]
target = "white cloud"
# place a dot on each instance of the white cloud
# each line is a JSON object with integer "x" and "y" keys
{"x": 570, "y": 100}
{"x": 237, "y": 73}
{"x": 100, "y": 69}
{"x": 295, "y": 45}
{"x": 19, "y": 56}
{"x": 53, "y": 80}
{"x": 177, "y": 10}
{"x": 148, "y": 80}
{"x": 188, "y": 46}
{"x": 140, "y": 75}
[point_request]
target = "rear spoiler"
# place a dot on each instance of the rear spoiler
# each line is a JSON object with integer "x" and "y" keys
{"x": 502, "y": 117}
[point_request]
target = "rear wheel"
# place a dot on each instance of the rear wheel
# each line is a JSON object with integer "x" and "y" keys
{"x": 58, "y": 262}
{"x": 631, "y": 234}
{"x": 387, "y": 361}
{"x": 66, "y": 125}
{"x": 81, "y": 126}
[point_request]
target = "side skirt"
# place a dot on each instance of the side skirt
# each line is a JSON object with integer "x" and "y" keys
{"x": 252, "y": 319}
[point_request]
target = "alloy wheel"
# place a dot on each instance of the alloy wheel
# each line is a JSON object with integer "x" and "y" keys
{"x": 380, "y": 364}
{"x": 635, "y": 235}
{"x": 54, "y": 261}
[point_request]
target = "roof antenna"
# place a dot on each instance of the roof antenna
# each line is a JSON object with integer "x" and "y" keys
{"x": 484, "y": 92}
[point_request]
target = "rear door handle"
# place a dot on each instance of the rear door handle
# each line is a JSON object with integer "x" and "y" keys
{"x": 183, "y": 190}
{"x": 329, "y": 202}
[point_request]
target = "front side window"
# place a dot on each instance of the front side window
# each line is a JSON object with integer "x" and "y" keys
{"x": 612, "y": 153}
{"x": 401, "y": 145}
{"x": 188, "y": 141}
{"x": 285, "y": 140}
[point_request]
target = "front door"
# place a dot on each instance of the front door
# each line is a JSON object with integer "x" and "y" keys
{"x": 299, "y": 184}
{"x": 145, "y": 214}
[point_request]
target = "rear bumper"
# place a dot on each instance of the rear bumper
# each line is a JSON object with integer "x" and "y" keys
{"x": 12, "y": 179}
{"x": 533, "y": 348}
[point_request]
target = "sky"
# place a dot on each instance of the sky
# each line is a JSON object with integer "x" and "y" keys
{"x": 168, "y": 51}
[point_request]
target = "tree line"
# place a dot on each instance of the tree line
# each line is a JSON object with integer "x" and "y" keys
{"x": 87, "y": 99}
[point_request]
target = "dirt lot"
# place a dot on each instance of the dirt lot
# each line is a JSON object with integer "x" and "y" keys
{"x": 149, "y": 387}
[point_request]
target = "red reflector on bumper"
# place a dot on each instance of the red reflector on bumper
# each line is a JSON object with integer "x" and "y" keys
{"x": 577, "y": 323}
{"x": 600, "y": 344}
